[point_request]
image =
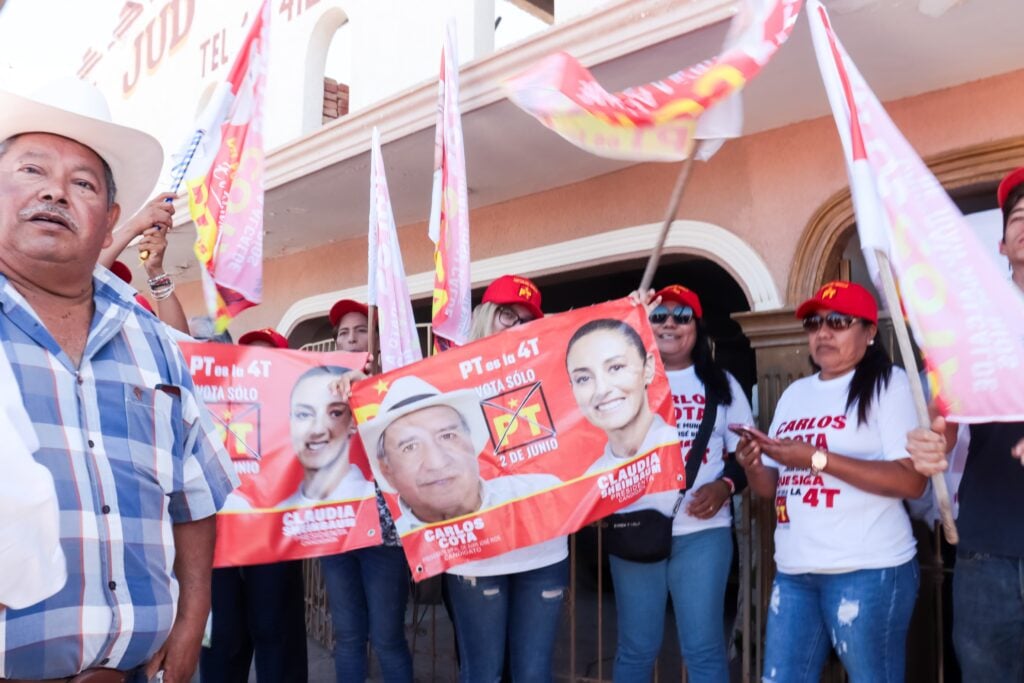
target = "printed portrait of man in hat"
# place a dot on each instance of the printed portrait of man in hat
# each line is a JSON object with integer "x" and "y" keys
{"x": 424, "y": 445}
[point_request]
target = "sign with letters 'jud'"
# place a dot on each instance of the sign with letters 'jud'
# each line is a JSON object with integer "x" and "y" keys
{"x": 306, "y": 487}
{"x": 521, "y": 437}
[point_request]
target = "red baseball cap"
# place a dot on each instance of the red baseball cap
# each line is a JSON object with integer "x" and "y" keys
{"x": 1009, "y": 184}
{"x": 143, "y": 301}
{"x": 122, "y": 271}
{"x": 512, "y": 289}
{"x": 267, "y": 334}
{"x": 345, "y": 306}
{"x": 842, "y": 297}
{"x": 682, "y": 295}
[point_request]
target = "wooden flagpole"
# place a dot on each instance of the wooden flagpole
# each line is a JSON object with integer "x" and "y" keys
{"x": 892, "y": 302}
{"x": 670, "y": 215}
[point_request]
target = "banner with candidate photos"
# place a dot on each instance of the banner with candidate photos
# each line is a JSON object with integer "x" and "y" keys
{"x": 521, "y": 437}
{"x": 306, "y": 490}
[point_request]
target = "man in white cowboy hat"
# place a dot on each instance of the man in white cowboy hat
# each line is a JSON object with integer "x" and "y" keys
{"x": 138, "y": 468}
{"x": 426, "y": 445}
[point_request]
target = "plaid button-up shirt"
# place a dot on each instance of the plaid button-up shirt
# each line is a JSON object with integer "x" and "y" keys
{"x": 132, "y": 452}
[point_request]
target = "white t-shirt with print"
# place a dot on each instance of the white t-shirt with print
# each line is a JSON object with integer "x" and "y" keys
{"x": 688, "y": 401}
{"x": 824, "y": 524}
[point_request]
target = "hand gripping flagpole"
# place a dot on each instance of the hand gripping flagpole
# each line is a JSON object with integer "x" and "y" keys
{"x": 178, "y": 174}
{"x": 899, "y": 323}
{"x": 670, "y": 215}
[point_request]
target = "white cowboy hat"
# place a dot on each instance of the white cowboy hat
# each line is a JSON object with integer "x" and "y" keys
{"x": 78, "y": 111}
{"x": 411, "y": 394}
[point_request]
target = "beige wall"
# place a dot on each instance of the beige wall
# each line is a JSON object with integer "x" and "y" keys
{"x": 765, "y": 188}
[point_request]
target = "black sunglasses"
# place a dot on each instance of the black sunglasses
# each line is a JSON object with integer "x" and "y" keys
{"x": 836, "y": 322}
{"x": 681, "y": 314}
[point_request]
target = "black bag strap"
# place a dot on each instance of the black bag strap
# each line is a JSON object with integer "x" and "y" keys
{"x": 700, "y": 444}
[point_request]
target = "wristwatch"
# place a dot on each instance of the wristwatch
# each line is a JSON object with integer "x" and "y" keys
{"x": 819, "y": 461}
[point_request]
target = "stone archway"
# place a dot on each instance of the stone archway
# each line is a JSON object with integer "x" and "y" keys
{"x": 820, "y": 246}
{"x": 316, "y": 63}
{"x": 693, "y": 237}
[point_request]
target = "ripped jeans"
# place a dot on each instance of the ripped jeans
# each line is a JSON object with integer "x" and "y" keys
{"x": 523, "y": 608}
{"x": 862, "y": 615}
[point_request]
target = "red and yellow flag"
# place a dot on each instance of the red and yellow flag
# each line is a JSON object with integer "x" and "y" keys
{"x": 656, "y": 121}
{"x": 226, "y": 201}
{"x": 449, "y": 210}
{"x": 966, "y": 316}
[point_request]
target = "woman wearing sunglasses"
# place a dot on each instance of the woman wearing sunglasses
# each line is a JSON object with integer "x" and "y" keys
{"x": 696, "y": 571}
{"x": 509, "y": 604}
{"x": 837, "y": 466}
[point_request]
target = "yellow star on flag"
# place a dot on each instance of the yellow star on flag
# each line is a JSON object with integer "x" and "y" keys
{"x": 381, "y": 386}
{"x": 513, "y": 403}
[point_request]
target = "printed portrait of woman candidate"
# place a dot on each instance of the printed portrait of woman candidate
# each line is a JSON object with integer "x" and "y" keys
{"x": 321, "y": 429}
{"x": 609, "y": 372}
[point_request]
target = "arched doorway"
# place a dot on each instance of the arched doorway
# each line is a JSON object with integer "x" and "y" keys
{"x": 970, "y": 175}
{"x": 322, "y": 91}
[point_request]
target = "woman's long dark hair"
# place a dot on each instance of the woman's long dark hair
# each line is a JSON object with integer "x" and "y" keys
{"x": 871, "y": 375}
{"x": 710, "y": 373}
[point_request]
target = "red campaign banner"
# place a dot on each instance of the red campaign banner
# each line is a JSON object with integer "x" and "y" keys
{"x": 521, "y": 437}
{"x": 307, "y": 489}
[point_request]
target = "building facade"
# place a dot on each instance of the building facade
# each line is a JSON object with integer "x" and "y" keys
{"x": 762, "y": 224}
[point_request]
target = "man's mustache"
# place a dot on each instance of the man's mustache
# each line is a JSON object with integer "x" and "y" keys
{"x": 49, "y": 210}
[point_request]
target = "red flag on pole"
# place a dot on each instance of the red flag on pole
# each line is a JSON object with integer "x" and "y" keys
{"x": 967, "y": 318}
{"x": 226, "y": 201}
{"x": 449, "y": 210}
{"x": 656, "y": 121}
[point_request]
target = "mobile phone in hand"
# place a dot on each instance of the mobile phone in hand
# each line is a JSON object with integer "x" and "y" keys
{"x": 750, "y": 432}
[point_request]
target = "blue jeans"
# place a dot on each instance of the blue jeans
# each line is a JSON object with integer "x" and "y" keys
{"x": 367, "y": 590}
{"x": 988, "y": 617}
{"x": 695, "y": 575}
{"x": 259, "y": 608}
{"x": 522, "y": 608}
{"x": 863, "y": 615}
